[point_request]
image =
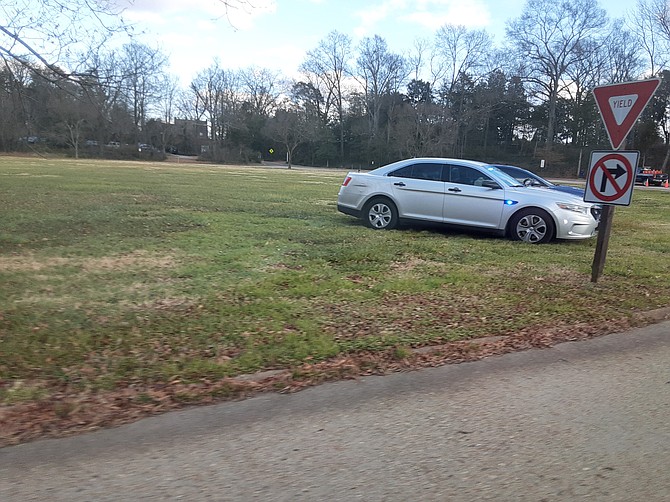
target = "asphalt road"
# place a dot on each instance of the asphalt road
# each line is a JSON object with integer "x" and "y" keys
{"x": 581, "y": 421}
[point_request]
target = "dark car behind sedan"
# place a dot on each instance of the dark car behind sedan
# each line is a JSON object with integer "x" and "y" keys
{"x": 529, "y": 178}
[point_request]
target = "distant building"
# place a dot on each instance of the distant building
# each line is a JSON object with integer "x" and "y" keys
{"x": 197, "y": 129}
{"x": 189, "y": 136}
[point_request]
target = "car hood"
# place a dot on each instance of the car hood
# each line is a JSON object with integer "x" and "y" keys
{"x": 568, "y": 189}
{"x": 548, "y": 194}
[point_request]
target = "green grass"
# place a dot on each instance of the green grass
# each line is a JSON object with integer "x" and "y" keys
{"x": 118, "y": 273}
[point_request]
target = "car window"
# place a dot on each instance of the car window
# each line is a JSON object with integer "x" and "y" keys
{"x": 421, "y": 171}
{"x": 403, "y": 172}
{"x": 464, "y": 175}
{"x": 432, "y": 172}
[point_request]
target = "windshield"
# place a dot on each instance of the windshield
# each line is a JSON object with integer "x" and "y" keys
{"x": 504, "y": 178}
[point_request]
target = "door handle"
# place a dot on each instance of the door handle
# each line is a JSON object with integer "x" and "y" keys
{"x": 455, "y": 189}
{"x": 399, "y": 184}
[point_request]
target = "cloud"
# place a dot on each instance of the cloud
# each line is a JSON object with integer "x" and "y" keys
{"x": 241, "y": 14}
{"x": 138, "y": 8}
{"x": 369, "y": 18}
{"x": 429, "y": 14}
{"x": 471, "y": 15}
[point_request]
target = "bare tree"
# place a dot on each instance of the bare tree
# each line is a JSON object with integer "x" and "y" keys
{"x": 622, "y": 55}
{"x": 69, "y": 115}
{"x": 168, "y": 86}
{"x": 587, "y": 72}
{"x": 291, "y": 127}
{"x": 103, "y": 85}
{"x": 326, "y": 68}
{"x": 460, "y": 58}
{"x": 661, "y": 11}
{"x": 14, "y": 80}
{"x": 261, "y": 88}
{"x": 416, "y": 58}
{"x": 142, "y": 70}
{"x": 168, "y": 91}
{"x": 48, "y": 32}
{"x": 380, "y": 73}
{"x": 650, "y": 22}
{"x": 653, "y": 21}
{"x": 218, "y": 98}
{"x": 458, "y": 51}
{"x": 548, "y": 38}
{"x": 208, "y": 89}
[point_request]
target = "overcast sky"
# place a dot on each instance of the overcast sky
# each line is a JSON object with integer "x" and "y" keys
{"x": 276, "y": 34}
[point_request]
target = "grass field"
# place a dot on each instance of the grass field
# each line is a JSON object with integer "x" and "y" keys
{"x": 136, "y": 277}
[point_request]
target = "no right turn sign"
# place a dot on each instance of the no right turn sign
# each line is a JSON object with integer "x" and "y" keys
{"x": 611, "y": 178}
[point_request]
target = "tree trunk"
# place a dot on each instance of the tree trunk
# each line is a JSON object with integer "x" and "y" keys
{"x": 289, "y": 155}
{"x": 551, "y": 123}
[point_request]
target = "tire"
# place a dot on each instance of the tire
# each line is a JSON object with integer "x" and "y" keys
{"x": 380, "y": 214}
{"x": 532, "y": 225}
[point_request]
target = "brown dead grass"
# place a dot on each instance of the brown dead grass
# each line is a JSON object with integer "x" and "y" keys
{"x": 136, "y": 259}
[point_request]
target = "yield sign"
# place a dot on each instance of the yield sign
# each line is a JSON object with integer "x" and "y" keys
{"x": 620, "y": 106}
{"x": 611, "y": 178}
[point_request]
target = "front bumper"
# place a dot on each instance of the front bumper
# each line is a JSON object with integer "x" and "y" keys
{"x": 573, "y": 226}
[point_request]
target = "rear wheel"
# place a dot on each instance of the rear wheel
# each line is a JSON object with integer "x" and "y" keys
{"x": 380, "y": 214}
{"x": 532, "y": 225}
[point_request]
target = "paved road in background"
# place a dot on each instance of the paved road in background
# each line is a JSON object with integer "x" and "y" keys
{"x": 581, "y": 421}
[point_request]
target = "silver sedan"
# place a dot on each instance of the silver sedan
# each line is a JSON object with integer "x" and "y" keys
{"x": 464, "y": 193}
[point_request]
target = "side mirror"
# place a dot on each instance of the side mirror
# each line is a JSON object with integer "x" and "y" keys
{"x": 530, "y": 182}
{"x": 491, "y": 184}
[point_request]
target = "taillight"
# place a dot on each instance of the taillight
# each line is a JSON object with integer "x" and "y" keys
{"x": 346, "y": 181}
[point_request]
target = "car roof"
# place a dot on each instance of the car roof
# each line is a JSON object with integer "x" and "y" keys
{"x": 507, "y": 166}
{"x": 445, "y": 160}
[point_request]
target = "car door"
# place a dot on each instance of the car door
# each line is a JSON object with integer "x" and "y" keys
{"x": 467, "y": 202}
{"x": 419, "y": 190}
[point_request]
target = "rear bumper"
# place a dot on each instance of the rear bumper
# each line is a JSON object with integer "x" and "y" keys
{"x": 351, "y": 211}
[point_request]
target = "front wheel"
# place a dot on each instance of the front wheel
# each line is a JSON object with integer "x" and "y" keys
{"x": 380, "y": 214}
{"x": 532, "y": 225}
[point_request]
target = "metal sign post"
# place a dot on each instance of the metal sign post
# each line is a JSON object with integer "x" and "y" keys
{"x": 612, "y": 174}
{"x": 610, "y": 182}
{"x": 604, "y": 230}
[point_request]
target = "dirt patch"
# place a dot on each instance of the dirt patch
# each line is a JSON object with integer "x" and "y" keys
{"x": 139, "y": 258}
{"x": 412, "y": 263}
{"x": 30, "y": 263}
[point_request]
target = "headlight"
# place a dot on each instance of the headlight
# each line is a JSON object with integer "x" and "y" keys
{"x": 573, "y": 207}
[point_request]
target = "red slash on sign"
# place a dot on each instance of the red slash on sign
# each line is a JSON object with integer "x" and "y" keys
{"x": 611, "y": 177}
